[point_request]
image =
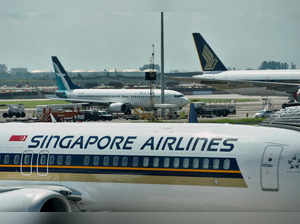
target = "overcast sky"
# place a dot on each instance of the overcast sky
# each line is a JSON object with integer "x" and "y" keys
{"x": 104, "y": 34}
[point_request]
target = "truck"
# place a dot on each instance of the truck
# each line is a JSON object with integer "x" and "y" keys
{"x": 214, "y": 110}
{"x": 60, "y": 112}
{"x": 96, "y": 115}
{"x": 16, "y": 110}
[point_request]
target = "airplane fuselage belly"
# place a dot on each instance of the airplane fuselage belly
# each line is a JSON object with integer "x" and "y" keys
{"x": 149, "y": 197}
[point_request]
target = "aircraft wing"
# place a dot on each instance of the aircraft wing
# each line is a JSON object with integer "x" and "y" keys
{"x": 36, "y": 198}
{"x": 232, "y": 84}
{"x": 276, "y": 83}
{"x": 281, "y": 86}
{"x": 183, "y": 74}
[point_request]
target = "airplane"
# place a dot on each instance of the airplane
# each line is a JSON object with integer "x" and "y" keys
{"x": 63, "y": 167}
{"x": 118, "y": 100}
{"x": 215, "y": 72}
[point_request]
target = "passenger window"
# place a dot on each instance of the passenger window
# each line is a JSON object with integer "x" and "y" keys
{"x": 146, "y": 162}
{"x": 27, "y": 159}
{"x": 60, "y": 160}
{"x": 106, "y": 161}
{"x": 6, "y": 159}
{"x": 43, "y": 159}
{"x": 216, "y": 164}
{"x": 195, "y": 163}
{"x": 115, "y": 160}
{"x": 156, "y": 162}
{"x": 135, "y": 161}
{"x": 166, "y": 162}
{"x": 17, "y": 159}
{"x": 186, "y": 163}
{"x": 226, "y": 164}
{"x": 68, "y": 160}
{"x": 176, "y": 163}
{"x": 51, "y": 159}
{"x": 96, "y": 160}
{"x": 205, "y": 164}
{"x": 86, "y": 160}
{"x": 125, "y": 161}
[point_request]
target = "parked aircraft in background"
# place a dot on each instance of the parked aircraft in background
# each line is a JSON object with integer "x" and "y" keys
{"x": 215, "y": 72}
{"x": 117, "y": 100}
{"x": 148, "y": 167}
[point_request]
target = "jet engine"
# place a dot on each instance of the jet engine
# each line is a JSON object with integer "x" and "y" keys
{"x": 120, "y": 108}
{"x": 33, "y": 200}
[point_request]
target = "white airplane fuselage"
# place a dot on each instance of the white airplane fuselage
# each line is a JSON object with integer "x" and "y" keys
{"x": 134, "y": 97}
{"x": 252, "y": 75}
{"x": 157, "y": 167}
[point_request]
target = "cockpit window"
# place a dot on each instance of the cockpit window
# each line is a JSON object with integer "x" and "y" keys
{"x": 180, "y": 95}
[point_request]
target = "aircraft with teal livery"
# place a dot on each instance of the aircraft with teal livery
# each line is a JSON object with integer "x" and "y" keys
{"x": 117, "y": 100}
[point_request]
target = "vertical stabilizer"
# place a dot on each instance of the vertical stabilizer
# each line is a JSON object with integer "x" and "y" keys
{"x": 63, "y": 81}
{"x": 208, "y": 59}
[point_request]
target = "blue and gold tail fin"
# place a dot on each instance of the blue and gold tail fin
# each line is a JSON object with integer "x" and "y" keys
{"x": 63, "y": 81}
{"x": 208, "y": 59}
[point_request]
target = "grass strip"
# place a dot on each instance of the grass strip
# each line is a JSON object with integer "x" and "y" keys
{"x": 31, "y": 104}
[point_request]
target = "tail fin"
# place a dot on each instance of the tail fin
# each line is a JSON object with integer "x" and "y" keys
{"x": 208, "y": 59}
{"x": 63, "y": 81}
{"x": 192, "y": 114}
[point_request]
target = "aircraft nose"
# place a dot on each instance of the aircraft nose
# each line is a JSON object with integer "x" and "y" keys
{"x": 185, "y": 100}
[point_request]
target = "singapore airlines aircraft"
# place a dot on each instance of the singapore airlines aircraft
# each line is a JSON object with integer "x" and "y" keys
{"x": 148, "y": 167}
{"x": 215, "y": 72}
{"x": 118, "y": 100}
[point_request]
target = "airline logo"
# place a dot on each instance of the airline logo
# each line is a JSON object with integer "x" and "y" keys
{"x": 163, "y": 143}
{"x": 57, "y": 71}
{"x": 18, "y": 138}
{"x": 211, "y": 61}
{"x": 60, "y": 77}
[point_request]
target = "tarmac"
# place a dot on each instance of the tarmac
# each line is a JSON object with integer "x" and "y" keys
{"x": 244, "y": 109}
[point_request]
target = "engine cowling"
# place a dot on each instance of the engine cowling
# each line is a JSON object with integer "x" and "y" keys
{"x": 33, "y": 200}
{"x": 120, "y": 108}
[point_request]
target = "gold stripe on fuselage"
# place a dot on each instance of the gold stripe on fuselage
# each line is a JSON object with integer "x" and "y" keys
{"x": 125, "y": 168}
{"x": 124, "y": 178}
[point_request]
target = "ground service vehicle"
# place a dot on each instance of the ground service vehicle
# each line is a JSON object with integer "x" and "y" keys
{"x": 212, "y": 110}
{"x": 16, "y": 110}
{"x": 263, "y": 114}
{"x": 94, "y": 115}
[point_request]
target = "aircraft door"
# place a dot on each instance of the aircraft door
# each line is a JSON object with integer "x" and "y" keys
{"x": 42, "y": 163}
{"x": 270, "y": 168}
{"x": 26, "y": 163}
